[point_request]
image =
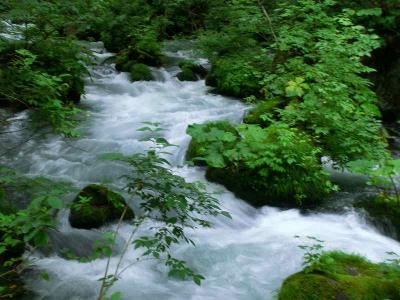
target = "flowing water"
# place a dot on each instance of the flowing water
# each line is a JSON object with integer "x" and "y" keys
{"x": 244, "y": 258}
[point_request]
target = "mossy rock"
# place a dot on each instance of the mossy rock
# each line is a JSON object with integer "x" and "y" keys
{"x": 190, "y": 71}
{"x": 384, "y": 213}
{"x": 141, "y": 72}
{"x": 246, "y": 185}
{"x": 254, "y": 116}
{"x": 187, "y": 75}
{"x": 97, "y": 205}
{"x": 342, "y": 276}
{"x": 136, "y": 54}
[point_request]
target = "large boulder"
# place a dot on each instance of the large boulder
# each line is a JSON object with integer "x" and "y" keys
{"x": 341, "y": 276}
{"x": 97, "y": 205}
{"x": 148, "y": 54}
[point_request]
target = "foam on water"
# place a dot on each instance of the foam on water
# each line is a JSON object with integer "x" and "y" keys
{"x": 244, "y": 258}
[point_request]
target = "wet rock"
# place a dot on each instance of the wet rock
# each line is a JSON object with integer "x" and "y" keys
{"x": 80, "y": 244}
{"x": 141, "y": 72}
{"x": 97, "y": 205}
{"x": 383, "y": 211}
{"x": 191, "y": 71}
{"x": 187, "y": 75}
{"x": 149, "y": 55}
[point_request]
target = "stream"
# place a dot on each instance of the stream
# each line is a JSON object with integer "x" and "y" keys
{"x": 246, "y": 258}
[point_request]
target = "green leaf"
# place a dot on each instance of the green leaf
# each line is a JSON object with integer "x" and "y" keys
{"x": 41, "y": 238}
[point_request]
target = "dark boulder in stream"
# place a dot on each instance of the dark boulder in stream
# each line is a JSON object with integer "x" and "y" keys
{"x": 383, "y": 212}
{"x": 140, "y": 72}
{"x": 97, "y": 205}
{"x": 190, "y": 71}
{"x": 81, "y": 244}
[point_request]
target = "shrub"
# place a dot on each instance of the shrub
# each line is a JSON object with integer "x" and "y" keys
{"x": 279, "y": 163}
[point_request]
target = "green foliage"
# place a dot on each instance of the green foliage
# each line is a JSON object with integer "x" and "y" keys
{"x": 25, "y": 84}
{"x": 234, "y": 40}
{"x": 277, "y": 160}
{"x": 24, "y": 229}
{"x": 317, "y": 73}
{"x": 312, "y": 260}
{"x": 304, "y": 59}
{"x": 210, "y": 140}
{"x": 41, "y": 67}
{"x": 263, "y": 113}
{"x": 176, "y": 205}
{"x": 234, "y": 75}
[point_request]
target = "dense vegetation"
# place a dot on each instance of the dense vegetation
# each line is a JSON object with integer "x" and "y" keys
{"x": 322, "y": 77}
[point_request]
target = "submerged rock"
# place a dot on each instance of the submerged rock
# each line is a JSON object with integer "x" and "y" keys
{"x": 341, "y": 276}
{"x": 97, "y": 205}
{"x": 88, "y": 248}
{"x": 151, "y": 56}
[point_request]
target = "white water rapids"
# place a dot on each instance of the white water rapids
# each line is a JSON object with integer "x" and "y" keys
{"x": 245, "y": 258}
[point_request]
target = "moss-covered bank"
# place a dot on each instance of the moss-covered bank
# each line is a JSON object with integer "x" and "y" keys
{"x": 341, "y": 276}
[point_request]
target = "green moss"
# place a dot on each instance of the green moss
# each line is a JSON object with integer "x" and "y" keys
{"x": 344, "y": 276}
{"x": 143, "y": 52}
{"x": 187, "y": 75}
{"x": 97, "y": 205}
{"x": 141, "y": 72}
